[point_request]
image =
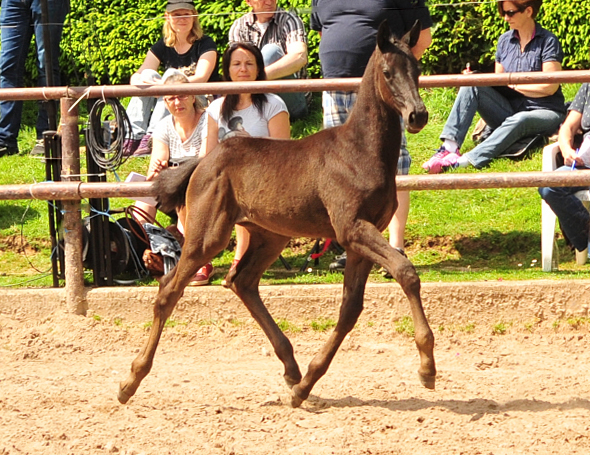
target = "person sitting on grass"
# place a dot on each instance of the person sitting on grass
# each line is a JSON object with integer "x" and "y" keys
{"x": 573, "y": 217}
{"x": 184, "y": 47}
{"x": 514, "y": 112}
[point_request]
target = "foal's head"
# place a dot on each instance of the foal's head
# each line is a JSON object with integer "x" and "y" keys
{"x": 397, "y": 76}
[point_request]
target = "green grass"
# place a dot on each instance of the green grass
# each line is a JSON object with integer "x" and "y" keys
{"x": 322, "y": 325}
{"x": 454, "y": 235}
{"x": 287, "y": 326}
{"x": 405, "y": 326}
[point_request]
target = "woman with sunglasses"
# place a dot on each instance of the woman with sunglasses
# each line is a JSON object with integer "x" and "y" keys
{"x": 177, "y": 137}
{"x": 515, "y": 112}
{"x": 245, "y": 114}
{"x": 183, "y": 46}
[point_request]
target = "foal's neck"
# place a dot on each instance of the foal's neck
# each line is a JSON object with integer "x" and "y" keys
{"x": 376, "y": 124}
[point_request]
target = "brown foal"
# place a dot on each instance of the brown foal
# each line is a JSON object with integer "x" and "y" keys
{"x": 338, "y": 183}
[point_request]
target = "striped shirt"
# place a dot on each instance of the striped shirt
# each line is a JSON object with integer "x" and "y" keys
{"x": 284, "y": 28}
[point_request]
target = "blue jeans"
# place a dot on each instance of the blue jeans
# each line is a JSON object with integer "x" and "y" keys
{"x": 509, "y": 126}
{"x": 296, "y": 102}
{"x": 337, "y": 106}
{"x": 144, "y": 113}
{"x": 571, "y": 213}
{"x": 20, "y": 19}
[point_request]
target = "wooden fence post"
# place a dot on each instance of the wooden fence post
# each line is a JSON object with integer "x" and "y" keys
{"x": 74, "y": 270}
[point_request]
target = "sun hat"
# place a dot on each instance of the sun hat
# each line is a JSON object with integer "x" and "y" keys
{"x": 173, "y": 5}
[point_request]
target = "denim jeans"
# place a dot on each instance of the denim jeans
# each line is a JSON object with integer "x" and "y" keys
{"x": 337, "y": 106}
{"x": 20, "y": 19}
{"x": 571, "y": 213}
{"x": 296, "y": 102}
{"x": 144, "y": 113}
{"x": 509, "y": 126}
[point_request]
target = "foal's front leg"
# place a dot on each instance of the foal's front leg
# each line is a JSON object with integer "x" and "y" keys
{"x": 355, "y": 277}
{"x": 365, "y": 239}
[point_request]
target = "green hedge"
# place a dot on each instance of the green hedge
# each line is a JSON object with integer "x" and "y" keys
{"x": 108, "y": 39}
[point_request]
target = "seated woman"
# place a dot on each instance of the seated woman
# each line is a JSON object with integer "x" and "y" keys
{"x": 179, "y": 135}
{"x": 573, "y": 217}
{"x": 246, "y": 114}
{"x": 513, "y": 112}
{"x": 185, "y": 47}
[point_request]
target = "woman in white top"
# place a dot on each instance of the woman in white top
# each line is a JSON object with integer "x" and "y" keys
{"x": 180, "y": 135}
{"x": 245, "y": 114}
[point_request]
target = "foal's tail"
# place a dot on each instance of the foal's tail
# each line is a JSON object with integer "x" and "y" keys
{"x": 171, "y": 184}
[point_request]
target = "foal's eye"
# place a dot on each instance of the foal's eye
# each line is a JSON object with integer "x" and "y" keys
{"x": 387, "y": 74}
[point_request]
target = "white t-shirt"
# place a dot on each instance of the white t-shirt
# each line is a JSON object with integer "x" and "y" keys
{"x": 248, "y": 119}
{"x": 166, "y": 133}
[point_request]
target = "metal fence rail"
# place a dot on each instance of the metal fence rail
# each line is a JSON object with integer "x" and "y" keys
{"x": 71, "y": 190}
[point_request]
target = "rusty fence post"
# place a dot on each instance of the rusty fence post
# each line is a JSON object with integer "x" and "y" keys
{"x": 72, "y": 220}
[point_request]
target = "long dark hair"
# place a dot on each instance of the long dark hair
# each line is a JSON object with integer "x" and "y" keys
{"x": 231, "y": 101}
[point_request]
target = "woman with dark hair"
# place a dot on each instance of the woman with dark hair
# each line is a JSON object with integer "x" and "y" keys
{"x": 514, "y": 112}
{"x": 245, "y": 114}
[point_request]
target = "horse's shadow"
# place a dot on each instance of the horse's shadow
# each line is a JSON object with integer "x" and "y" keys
{"x": 476, "y": 407}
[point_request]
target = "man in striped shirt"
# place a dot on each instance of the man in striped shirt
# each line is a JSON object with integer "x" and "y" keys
{"x": 281, "y": 37}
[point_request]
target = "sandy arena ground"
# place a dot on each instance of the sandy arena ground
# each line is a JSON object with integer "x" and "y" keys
{"x": 217, "y": 388}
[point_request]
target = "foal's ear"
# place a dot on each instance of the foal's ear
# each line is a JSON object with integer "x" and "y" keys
{"x": 384, "y": 36}
{"x": 411, "y": 38}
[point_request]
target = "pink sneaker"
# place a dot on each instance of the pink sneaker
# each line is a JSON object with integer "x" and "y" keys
{"x": 441, "y": 161}
{"x": 144, "y": 147}
{"x": 203, "y": 276}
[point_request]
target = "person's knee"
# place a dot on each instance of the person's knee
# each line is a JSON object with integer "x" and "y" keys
{"x": 543, "y": 192}
{"x": 271, "y": 53}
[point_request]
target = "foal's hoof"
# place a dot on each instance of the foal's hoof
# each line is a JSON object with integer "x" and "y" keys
{"x": 427, "y": 380}
{"x": 122, "y": 396}
{"x": 295, "y": 400}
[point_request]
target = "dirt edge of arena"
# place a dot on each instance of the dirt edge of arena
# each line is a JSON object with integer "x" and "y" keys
{"x": 445, "y": 303}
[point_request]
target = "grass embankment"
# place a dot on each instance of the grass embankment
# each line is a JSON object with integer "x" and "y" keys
{"x": 491, "y": 234}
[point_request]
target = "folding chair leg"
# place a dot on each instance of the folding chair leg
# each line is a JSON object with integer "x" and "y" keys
{"x": 548, "y": 219}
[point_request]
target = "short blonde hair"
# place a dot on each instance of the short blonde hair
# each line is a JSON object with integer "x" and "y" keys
{"x": 195, "y": 34}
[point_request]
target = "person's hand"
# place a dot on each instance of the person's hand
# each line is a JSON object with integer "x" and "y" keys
{"x": 146, "y": 77}
{"x": 156, "y": 166}
{"x": 569, "y": 156}
{"x": 467, "y": 69}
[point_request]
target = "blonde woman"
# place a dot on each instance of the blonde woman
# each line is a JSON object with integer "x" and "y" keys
{"x": 176, "y": 137}
{"x": 183, "y": 46}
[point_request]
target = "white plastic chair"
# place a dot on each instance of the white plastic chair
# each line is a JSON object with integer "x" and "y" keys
{"x": 548, "y": 218}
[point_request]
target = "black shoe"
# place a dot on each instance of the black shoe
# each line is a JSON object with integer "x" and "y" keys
{"x": 339, "y": 264}
{"x": 6, "y": 150}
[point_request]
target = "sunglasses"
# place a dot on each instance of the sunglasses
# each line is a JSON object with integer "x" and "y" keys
{"x": 511, "y": 13}
{"x": 171, "y": 99}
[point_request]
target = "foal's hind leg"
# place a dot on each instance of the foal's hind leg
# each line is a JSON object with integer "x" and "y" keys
{"x": 166, "y": 300}
{"x": 365, "y": 239}
{"x": 196, "y": 252}
{"x": 355, "y": 277}
{"x": 263, "y": 249}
